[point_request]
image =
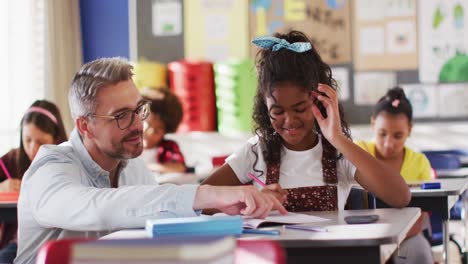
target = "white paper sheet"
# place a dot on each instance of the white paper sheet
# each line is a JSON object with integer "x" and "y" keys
{"x": 371, "y": 40}
{"x": 401, "y": 37}
{"x": 276, "y": 218}
{"x": 370, "y": 86}
{"x": 167, "y": 18}
{"x": 341, "y": 76}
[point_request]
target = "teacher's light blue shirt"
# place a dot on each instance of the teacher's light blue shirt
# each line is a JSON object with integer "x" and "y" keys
{"x": 66, "y": 194}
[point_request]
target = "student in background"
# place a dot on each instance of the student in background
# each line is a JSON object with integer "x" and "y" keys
{"x": 302, "y": 149}
{"x": 41, "y": 124}
{"x": 160, "y": 154}
{"x": 94, "y": 183}
{"x": 391, "y": 123}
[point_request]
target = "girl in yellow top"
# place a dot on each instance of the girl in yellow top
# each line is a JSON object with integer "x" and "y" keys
{"x": 391, "y": 124}
{"x": 414, "y": 165}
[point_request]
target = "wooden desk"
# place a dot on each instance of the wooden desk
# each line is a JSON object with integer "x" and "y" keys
{"x": 343, "y": 243}
{"x": 439, "y": 201}
{"x": 8, "y": 207}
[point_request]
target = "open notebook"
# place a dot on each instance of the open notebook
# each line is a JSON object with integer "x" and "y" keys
{"x": 275, "y": 218}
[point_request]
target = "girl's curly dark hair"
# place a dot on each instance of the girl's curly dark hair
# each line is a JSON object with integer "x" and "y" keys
{"x": 305, "y": 70}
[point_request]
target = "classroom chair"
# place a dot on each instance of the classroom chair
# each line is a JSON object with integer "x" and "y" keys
{"x": 446, "y": 159}
{"x": 247, "y": 251}
{"x": 57, "y": 251}
{"x": 260, "y": 252}
{"x": 456, "y": 152}
{"x": 443, "y": 160}
{"x": 218, "y": 161}
{"x": 359, "y": 198}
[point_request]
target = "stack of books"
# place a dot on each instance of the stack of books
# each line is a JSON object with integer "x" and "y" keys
{"x": 149, "y": 74}
{"x": 236, "y": 85}
{"x": 195, "y": 226}
{"x": 193, "y": 83}
{"x": 168, "y": 250}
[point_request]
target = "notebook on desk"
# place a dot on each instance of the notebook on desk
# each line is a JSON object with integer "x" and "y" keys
{"x": 275, "y": 218}
{"x": 195, "y": 226}
{"x": 219, "y": 250}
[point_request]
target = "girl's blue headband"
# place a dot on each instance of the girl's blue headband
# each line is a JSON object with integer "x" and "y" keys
{"x": 276, "y": 44}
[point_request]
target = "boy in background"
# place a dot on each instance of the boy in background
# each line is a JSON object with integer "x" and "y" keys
{"x": 160, "y": 154}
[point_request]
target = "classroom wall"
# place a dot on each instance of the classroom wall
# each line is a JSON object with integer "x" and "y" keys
{"x": 105, "y": 28}
{"x": 317, "y": 19}
{"x": 360, "y": 114}
{"x": 154, "y": 47}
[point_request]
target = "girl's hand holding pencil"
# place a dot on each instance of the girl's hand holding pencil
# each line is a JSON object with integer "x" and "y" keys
{"x": 10, "y": 185}
{"x": 276, "y": 190}
{"x": 273, "y": 189}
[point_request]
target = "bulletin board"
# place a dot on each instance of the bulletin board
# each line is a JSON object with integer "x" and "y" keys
{"x": 327, "y": 23}
{"x": 226, "y": 28}
{"x": 216, "y": 30}
{"x": 159, "y": 37}
{"x": 384, "y": 35}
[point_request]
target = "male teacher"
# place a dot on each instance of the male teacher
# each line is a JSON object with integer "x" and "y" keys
{"x": 93, "y": 184}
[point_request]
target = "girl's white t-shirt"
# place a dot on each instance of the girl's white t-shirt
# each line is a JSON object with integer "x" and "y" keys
{"x": 298, "y": 168}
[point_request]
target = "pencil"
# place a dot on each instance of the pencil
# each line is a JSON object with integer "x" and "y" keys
{"x": 306, "y": 228}
{"x": 257, "y": 180}
{"x": 2, "y": 165}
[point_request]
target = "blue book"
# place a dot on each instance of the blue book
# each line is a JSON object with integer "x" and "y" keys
{"x": 195, "y": 226}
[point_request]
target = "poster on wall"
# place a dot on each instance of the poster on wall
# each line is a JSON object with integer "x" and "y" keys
{"x": 326, "y": 22}
{"x": 216, "y": 30}
{"x": 384, "y": 35}
{"x": 453, "y": 100}
{"x": 341, "y": 76}
{"x": 167, "y": 17}
{"x": 370, "y": 86}
{"x": 443, "y": 38}
{"x": 423, "y": 98}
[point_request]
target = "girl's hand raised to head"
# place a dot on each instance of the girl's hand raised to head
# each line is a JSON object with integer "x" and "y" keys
{"x": 331, "y": 125}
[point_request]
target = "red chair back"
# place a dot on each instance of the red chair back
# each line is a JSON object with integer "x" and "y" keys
{"x": 218, "y": 160}
{"x": 259, "y": 252}
{"x": 248, "y": 251}
{"x": 57, "y": 251}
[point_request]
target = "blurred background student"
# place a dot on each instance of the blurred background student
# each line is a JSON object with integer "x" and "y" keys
{"x": 391, "y": 123}
{"x": 41, "y": 124}
{"x": 161, "y": 154}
